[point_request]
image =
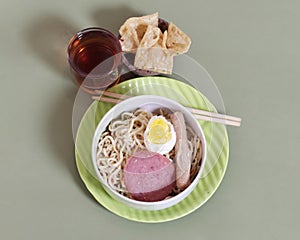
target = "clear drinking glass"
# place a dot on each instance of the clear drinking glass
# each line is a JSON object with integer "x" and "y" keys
{"x": 95, "y": 58}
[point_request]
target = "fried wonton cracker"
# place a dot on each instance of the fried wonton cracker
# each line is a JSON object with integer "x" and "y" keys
{"x": 152, "y": 54}
{"x": 162, "y": 41}
{"x": 133, "y": 30}
{"x": 177, "y": 40}
{"x": 151, "y": 37}
{"x": 154, "y": 59}
{"x": 154, "y": 49}
{"x": 129, "y": 40}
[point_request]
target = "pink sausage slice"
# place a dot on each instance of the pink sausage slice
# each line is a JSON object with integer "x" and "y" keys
{"x": 149, "y": 176}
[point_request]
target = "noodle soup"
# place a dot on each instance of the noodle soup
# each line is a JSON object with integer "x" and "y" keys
{"x": 149, "y": 159}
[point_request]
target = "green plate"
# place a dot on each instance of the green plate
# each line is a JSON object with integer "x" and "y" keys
{"x": 217, "y": 149}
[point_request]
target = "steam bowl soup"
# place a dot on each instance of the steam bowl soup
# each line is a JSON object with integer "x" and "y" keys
{"x": 149, "y": 152}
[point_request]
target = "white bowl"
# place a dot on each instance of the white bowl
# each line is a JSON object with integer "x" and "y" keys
{"x": 150, "y": 103}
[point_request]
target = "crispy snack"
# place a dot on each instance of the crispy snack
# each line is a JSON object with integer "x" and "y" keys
{"x": 152, "y": 54}
{"x": 156, "y": 59}
{"x": 129, "y": 40}
{"x": 177, "y": 40}
{"x": 151, "y": 37}
{"x": 164, "y": 40}
{"x": 133, "y": 30}
{"x": 154, "y": 49}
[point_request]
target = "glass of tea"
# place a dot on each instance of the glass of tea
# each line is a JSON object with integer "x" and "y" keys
{"x": 95, "y": 57}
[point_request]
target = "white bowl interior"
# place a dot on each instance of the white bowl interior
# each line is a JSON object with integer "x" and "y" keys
{"x": 149, "y": 103}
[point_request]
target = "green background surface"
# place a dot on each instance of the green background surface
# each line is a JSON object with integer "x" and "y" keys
{"x": 250, "y": 48}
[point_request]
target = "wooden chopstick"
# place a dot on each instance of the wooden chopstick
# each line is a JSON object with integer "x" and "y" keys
{"x": 112, "y": 94}
{"x": 199, "y": 114}
{"x": 215, "y": 115}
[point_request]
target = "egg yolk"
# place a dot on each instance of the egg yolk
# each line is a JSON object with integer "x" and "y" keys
{"x": 159, "y": 132}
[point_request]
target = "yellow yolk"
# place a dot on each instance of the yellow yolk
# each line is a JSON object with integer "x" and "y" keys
{"x": 159, "y": 131}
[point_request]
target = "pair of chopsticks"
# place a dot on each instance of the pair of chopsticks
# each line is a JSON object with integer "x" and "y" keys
{"x": 110, "y": 97}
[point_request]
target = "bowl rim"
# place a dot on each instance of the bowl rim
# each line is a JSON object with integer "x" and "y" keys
{"x": 132, "y": 202}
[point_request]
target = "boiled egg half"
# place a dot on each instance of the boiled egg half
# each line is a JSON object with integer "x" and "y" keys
{"x": 159, "y": 136}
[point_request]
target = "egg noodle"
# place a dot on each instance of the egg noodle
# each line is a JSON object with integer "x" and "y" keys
{"x": 125, "y": 136}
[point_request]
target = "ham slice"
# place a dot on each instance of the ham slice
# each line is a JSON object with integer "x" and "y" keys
{"x": 149, "y": 176}
{"x": 183, "y": 155}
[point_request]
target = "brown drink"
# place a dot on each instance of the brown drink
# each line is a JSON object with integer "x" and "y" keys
{"x": 95, "y": 57}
